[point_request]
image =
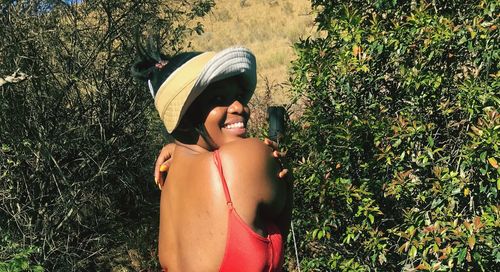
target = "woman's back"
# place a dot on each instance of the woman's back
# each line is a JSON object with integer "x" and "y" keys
{"x": 194, "y": 211}
{"x": 226, "y": 212}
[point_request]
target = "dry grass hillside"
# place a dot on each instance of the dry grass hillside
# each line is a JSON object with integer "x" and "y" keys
{"x": 268, "y": 27}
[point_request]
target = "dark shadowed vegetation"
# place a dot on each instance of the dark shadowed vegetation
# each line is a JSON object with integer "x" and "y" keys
{"x": 77, "y": 134}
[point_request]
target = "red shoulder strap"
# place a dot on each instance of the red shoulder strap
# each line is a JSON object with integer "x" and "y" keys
{"x": 221, "y": 174}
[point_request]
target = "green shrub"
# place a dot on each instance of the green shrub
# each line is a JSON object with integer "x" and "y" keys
{"x": 15, "y": 258}
{"x": 396, "y": 154}
{"x": 76, "y": 140}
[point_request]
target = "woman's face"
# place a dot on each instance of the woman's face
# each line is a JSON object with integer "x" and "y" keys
{"x": 226, "y": 112}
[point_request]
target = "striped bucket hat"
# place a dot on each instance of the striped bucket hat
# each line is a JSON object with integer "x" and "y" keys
{"x": 189, "y": 74}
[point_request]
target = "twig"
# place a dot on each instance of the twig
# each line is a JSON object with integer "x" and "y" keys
{"x": 16, "y": 77}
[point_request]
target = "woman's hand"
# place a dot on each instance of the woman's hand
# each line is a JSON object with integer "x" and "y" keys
{"x": 278, "y": 155}
{"x": 163, "y": 164}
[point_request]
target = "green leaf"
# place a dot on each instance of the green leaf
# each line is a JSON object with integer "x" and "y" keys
{"x": 5, "y": 148}
{"x": 483, "y": 156}
{"x": 462, "y": 40}
{"x": 461, "y": 255}
{"x": 430, "y": 141}
{"x": 413, "y": 252}
{"x": 372, "y": 218}
{"x": 315, "y": 233}
{"x": 397, "y": 143}
{"x": 37, "y": 268}
{"x": 24, "y": 265}
{"x": 436, "y": 202}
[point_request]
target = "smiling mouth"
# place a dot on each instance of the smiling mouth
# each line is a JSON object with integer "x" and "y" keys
{"x": 235, "y": 125}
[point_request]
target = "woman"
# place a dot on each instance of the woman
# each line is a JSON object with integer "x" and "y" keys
{"x": 222, "y": 205}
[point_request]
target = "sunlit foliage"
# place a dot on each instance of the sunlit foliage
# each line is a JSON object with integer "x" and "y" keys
{"x": 396, "y": 155}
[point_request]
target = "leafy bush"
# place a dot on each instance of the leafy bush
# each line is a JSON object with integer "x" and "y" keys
{"x": 76, "y": 142}
{"x": 397, "y": 152}
{"x": 17, "y": 258}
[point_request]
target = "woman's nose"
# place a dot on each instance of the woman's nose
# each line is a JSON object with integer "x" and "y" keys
{"x": 236, "y": 107}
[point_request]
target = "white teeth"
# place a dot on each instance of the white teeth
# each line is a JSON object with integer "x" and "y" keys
{"x": 235, "y": 125}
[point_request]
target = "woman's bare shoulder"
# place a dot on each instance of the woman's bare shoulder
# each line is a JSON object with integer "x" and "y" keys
{"x": 248, "y": 150}
{"x": 251, "y": 163}
{"x": 246, "y": 142}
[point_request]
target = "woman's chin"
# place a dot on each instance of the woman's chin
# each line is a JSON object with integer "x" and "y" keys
{"x": 235, "y": 132}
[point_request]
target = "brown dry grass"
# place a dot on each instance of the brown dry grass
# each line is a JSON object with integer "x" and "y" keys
{"x": 268, "y": 27}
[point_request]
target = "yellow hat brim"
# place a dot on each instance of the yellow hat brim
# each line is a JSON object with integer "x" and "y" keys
{"x": 186, "y": 83}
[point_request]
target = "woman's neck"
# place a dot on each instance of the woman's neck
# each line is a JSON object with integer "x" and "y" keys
{"x": 191, "y": 148}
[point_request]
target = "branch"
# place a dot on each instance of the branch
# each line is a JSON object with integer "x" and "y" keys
{"x": 16, "y": 77}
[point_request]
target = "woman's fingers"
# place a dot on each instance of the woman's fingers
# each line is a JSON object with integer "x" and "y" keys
{"x": 158, "y": 175}
{"x": 271, "y": 144}
{"x": 163, "y": 164}
{"x": 274, "y": 146}
{"x": 278, "y": 154}
{"x": 164, "y": 167}
{"x": 283, "y": 173}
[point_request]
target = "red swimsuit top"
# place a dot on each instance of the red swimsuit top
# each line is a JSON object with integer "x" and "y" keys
{"x": 246, "y": 250}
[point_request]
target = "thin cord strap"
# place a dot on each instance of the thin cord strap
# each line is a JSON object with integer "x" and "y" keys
{"x": 295, "y": 246}
{"x": 221, "y": 174}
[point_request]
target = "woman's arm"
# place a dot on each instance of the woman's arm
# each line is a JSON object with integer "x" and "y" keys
{"x": 165, "y": 157}
{"x": 250, "y": 169}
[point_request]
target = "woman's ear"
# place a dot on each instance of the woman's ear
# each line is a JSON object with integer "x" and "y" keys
{"x": 185, "y": 132}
